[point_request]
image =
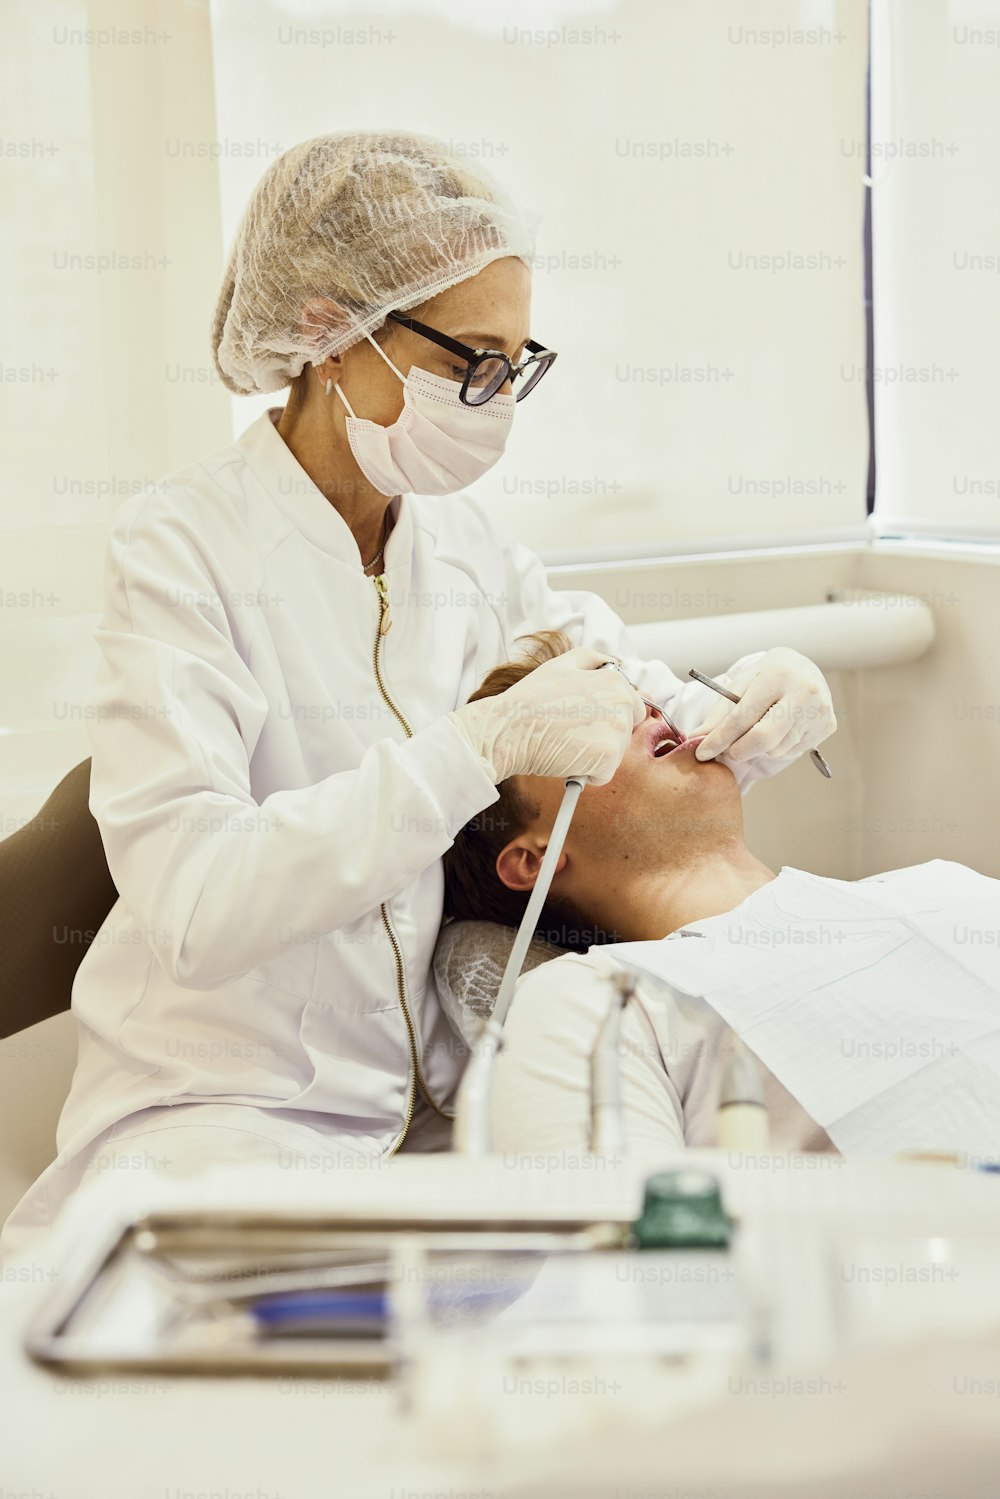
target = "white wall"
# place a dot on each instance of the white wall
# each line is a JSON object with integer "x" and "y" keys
{"x": 916, "y": 757}
{"x": 930, "y": 732}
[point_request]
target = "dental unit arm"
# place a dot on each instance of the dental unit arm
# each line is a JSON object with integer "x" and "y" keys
{"x": 742, "y": 1122}
{"x": 607, "y": 1117}
{"x": 741, "y": 1115}
{"x": 472, "y": 1111}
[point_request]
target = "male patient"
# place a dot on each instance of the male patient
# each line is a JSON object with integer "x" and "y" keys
{"x": 656, "y": 851}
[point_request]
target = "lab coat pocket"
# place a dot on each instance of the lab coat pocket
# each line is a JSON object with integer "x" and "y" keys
{"x": 356, "y": 968}
{"x": 348, "y": 1065}
{"x": 293, "y": 969}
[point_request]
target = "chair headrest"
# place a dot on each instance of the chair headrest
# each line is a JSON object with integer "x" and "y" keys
{"x": 469, "y": 962}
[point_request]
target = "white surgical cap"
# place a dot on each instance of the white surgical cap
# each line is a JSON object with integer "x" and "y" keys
{"x": 342, "y": 229}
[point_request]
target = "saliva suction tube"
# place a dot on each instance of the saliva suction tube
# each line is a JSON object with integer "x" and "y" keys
{"x": 472, "y": 1130}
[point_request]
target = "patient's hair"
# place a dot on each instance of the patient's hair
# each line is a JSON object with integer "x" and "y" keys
{"x": 473, "y": 891}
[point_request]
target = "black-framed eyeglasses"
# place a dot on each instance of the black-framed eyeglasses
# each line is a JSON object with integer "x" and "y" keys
{"x": 487, "y": 370}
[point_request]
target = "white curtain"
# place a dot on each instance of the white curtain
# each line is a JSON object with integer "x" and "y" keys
{"x": 936, "y": 236}
{"x": 700, "y": 172}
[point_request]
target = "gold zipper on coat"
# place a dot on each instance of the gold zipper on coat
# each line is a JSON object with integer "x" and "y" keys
{"x": 384, "y": 626}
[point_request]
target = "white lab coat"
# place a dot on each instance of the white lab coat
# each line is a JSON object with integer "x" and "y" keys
{"x": 273, "y": 828}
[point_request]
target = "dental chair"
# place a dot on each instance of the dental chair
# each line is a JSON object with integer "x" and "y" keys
{"x": 469, "y": 962}
{"x": 55, "y": 892}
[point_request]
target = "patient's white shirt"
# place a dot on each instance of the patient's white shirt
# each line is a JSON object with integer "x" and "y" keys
{"x": 876, "y": 1002}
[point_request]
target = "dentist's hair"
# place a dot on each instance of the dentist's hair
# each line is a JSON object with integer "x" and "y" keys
{"x": 473, "y": 891}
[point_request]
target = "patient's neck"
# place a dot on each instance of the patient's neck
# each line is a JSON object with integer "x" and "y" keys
{"x": 654, "y": 902}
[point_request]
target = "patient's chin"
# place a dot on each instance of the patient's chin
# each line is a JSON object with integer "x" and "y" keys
{"x": 709, "y": 776}
{"x": 683, "y": 775}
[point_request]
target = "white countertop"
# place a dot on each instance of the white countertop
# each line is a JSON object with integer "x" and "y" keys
{"x": 916, "y": 1371}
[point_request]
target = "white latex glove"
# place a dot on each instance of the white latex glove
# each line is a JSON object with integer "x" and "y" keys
{"x": 565, "y": 718}
{"x": 785, "y": 709}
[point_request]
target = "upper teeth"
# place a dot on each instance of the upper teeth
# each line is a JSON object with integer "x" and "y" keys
{"x": 665, "y": 746}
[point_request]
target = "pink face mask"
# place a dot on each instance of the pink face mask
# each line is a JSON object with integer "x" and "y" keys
{"x": 437, "y": 445}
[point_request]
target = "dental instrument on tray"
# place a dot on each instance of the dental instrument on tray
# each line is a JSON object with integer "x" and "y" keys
{"x": 356, "y": 1295}
{"x": 698, "y": 676}
{"x": 472, "y": 1128}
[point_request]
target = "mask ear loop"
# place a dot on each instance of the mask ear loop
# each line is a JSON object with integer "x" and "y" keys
{"x": 350, "y": 408}
{"x": 385, "y": 356}
{"x": 388, "y": 361}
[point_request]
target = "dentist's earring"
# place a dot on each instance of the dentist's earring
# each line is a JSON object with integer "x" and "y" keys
{"x": 329, "y": 386}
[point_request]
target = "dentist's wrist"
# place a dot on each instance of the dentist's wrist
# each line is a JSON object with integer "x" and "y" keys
{"x": 474, "y": 725}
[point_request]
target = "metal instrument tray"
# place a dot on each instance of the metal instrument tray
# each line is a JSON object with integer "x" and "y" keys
{"x": 167, "y": 1292}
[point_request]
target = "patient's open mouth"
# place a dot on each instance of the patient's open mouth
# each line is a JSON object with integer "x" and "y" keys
{"x": 665, "y": 742}
{"x": 665, "y": 747}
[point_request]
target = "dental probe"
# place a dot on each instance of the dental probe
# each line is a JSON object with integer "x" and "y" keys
{"x": 472, "y": 1104}
{"x": 814, "y": 755}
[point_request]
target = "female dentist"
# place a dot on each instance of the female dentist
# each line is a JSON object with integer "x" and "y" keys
{"x": 291, "y": 628}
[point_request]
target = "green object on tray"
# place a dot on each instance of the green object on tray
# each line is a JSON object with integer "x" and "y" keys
{"x": 683, "y": 1210}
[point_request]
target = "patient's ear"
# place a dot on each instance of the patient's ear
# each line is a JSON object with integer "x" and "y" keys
{"x": 518, "y": 864}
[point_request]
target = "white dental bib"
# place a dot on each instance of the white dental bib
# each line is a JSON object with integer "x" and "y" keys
{"x": 876, "y": 1003}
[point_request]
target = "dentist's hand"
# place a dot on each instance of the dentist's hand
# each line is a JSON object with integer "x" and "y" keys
{"x": 565, "y": 718}
{"x": 785, "y": 709}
